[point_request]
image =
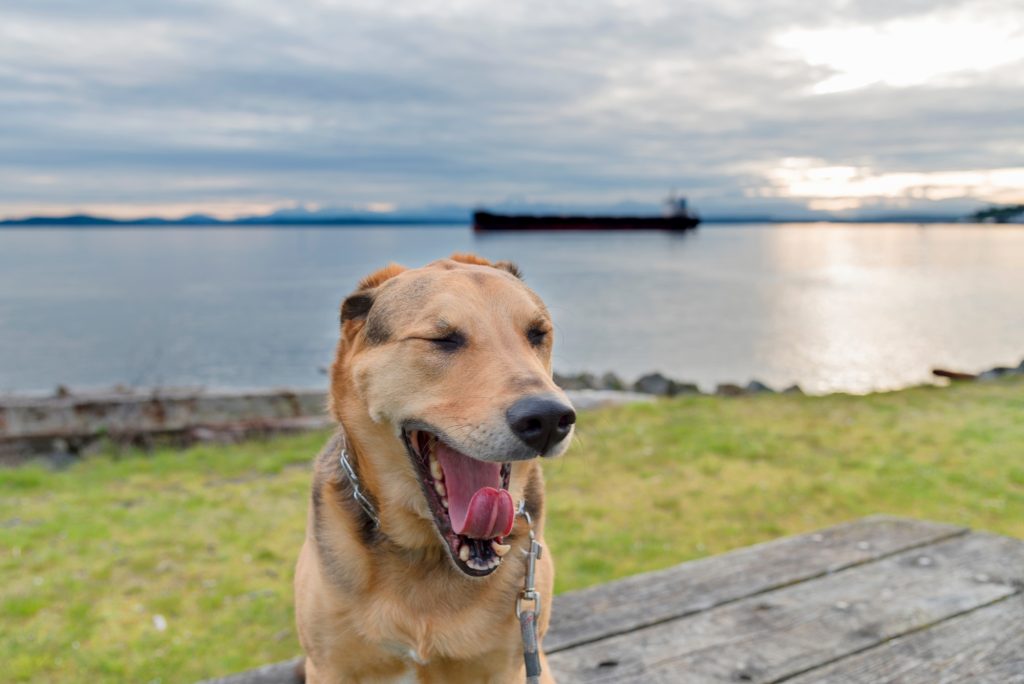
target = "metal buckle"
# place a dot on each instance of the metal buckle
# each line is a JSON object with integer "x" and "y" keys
{"x": 528, "y": 596}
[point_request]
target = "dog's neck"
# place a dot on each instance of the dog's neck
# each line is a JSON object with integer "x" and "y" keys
{"x": 431, "y": 559}
{"x": 361, "y": 494}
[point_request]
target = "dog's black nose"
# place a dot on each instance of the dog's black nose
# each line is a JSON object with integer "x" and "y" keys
{"x": 541, "y": 421}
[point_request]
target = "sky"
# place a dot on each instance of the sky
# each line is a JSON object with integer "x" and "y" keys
{"x": 239, "y": 107}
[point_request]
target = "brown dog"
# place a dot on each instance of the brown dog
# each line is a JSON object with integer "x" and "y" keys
{"x": 442, "y": 387}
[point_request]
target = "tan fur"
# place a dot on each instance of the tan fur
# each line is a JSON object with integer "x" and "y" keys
{"x": 391, "y": 606}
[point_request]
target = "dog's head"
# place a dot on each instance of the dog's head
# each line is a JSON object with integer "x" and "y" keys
{"x": 443, "y": 381}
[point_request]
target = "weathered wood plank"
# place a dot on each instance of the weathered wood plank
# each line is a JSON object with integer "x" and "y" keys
{"x": 582, "y": 616}
{"x": 985, "y": 646}
{"x": 80, "y": 415}
{"x": 283, "y": 672}
{"x": 769, "y": 637}
{"x": 652, "y": 598}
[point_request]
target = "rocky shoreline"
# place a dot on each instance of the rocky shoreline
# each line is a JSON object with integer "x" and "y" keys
{"x": 68, "y": 424}
{"x": 660, "y": 385}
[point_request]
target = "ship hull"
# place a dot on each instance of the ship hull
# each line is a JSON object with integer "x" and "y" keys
{"x": 485, "y": 221}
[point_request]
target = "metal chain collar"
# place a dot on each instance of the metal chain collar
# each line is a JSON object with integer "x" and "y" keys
{"x": 357, "y": 491}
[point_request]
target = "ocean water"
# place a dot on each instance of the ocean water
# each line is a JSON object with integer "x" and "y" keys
{"x": 851, "y": 307}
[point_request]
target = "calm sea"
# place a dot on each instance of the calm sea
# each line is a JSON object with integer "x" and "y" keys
{"x": 832, "y": 307}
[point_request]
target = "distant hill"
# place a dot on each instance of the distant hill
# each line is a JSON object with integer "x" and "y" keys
{"x": 73, "y": 220}
{"x": 85, "y": 220}
{"x": 451, "y": 214}
{"x": 1013, "y": 213}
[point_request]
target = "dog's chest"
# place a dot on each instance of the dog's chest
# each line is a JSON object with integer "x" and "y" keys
{"x": 408, "y": 676}
{"x": 417, "y": 629}
{"x": 404, "y": 651}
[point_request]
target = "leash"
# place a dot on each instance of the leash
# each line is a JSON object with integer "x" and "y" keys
{"x": 529, "y": 594}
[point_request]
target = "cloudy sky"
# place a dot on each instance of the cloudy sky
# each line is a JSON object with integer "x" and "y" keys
{"x": 246, "y": 106}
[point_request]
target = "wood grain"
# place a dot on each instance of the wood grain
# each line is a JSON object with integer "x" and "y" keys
{"x": 284, "y": 672}
{"x": 985, "y": 646}
{"x": 583, "y": 616}
{"x": 775, "y": 635}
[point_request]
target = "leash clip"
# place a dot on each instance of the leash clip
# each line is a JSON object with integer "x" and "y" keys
{"x": 528, "y": 616}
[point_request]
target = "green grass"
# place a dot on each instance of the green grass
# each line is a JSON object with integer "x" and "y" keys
{"x": 206, "y": 538}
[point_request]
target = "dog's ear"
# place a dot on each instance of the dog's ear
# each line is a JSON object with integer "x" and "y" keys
{"x": 465, "y": 258}
{"x": 509, "y": 266}
{"x": 358, "y": 304}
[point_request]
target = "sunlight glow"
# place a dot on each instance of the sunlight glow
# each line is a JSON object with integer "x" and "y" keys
{"x": 909, "y": 52}
{"x": 838, "y": 188}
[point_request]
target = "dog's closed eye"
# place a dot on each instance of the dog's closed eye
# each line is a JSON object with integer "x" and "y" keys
{"x": 451, "y": 342}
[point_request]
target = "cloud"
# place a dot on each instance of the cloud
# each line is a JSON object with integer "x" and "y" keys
{"x": 229, "y": 103}
{"x": 840, "y": 188}
{"x": 950, "y": 47}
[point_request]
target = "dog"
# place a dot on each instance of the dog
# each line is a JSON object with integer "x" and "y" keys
{"x": 414, "y": 553}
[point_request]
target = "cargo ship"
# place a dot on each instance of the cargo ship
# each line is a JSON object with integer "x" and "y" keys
{"x": 678, "y": 217}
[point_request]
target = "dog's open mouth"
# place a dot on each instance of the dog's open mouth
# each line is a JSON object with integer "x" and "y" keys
{"x": 469, "y": 498}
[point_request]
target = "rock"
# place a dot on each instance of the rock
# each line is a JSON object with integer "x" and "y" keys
{"x": 577, "y": 381}
{"x": 655, "y": 383}
{"x": 952, "y": 375}
{"x": 793, "y": 389}
{"x": 62, "y": 454}
{"x": 728, "y": 389}
{"x": 996, "y": 373}
{"x": 758, "y": 387}
{"x": 611, "y": 381}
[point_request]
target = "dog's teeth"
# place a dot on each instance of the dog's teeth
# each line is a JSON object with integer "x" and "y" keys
{"x": 435, "y": 469}
{"x": 444, "y": 501}
{"x": 439, "y": 488}
{"x": 464, "y": 553}
{"x": 500, "y": 549}
{"x": 478, "y": 564}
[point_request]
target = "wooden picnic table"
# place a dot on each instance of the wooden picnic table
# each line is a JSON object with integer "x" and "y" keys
{"x": 881, "y": 599}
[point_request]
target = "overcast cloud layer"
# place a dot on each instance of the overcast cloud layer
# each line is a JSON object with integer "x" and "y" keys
{"x": 244, "y": 106}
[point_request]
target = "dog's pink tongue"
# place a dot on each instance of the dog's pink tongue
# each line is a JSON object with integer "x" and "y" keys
{"x": 478, "y": 507}
{"x": 490, "y": 514}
